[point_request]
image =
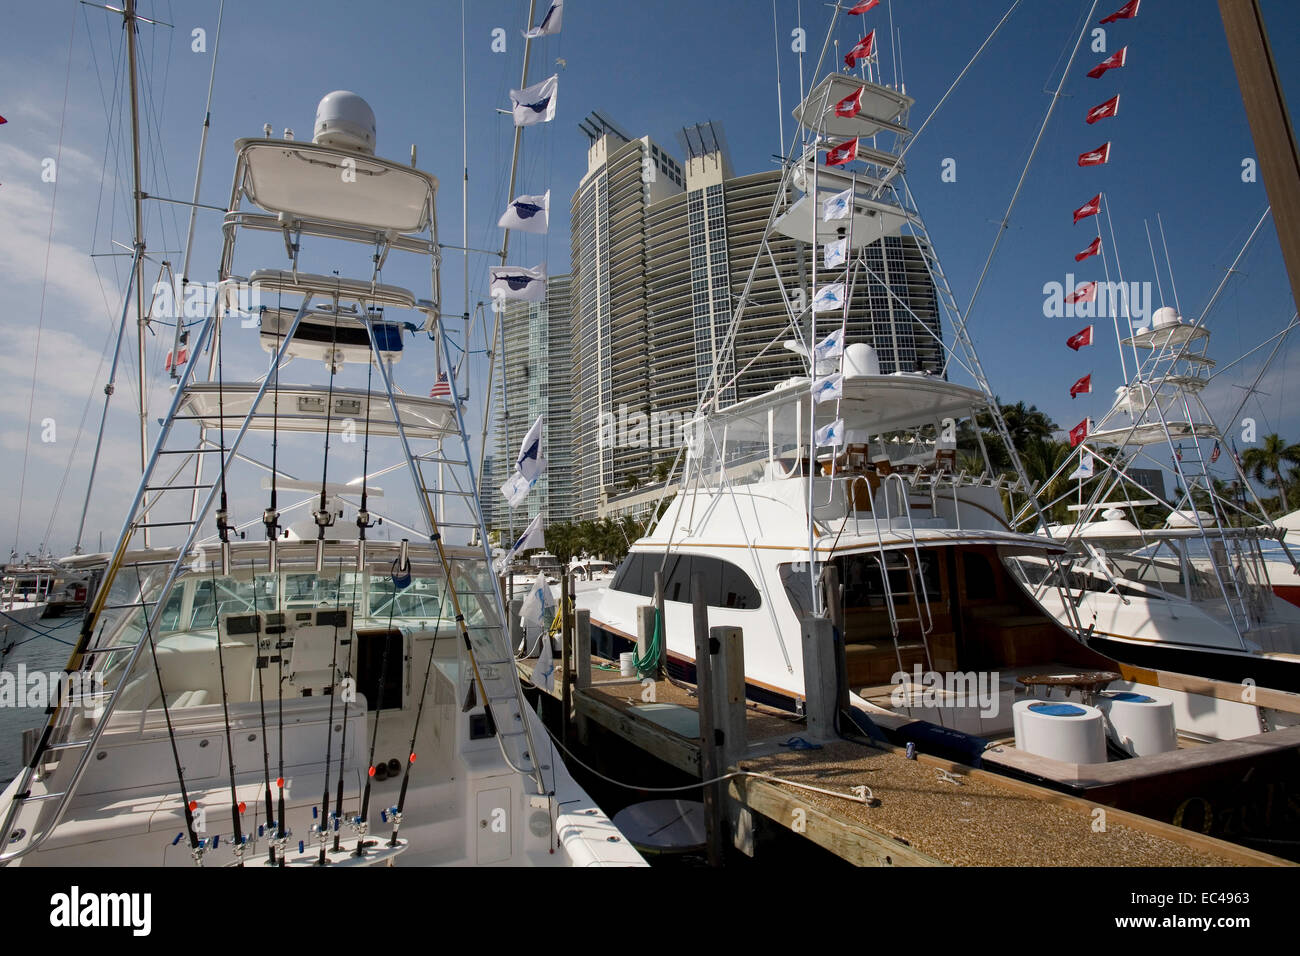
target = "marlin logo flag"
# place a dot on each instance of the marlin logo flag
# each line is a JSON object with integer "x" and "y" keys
{"x": 861, "y": 50}
{"x": 550, "y": 24}
{"x": 851, "y": 105}
{"x": 527, "y": 214}
{"x": 530, "y": 462}
{"x": 1104, "y": 110}
{"x": 1126, "y": 12}
{"x": 846, "y": 152}
{"x": 836, "y": 253}
{"x": 1090, "y": 208}
{"x": 1112, "y": 62}
{"x": 832, "y": 434}
{"x": 526, "y": 285}
{"x": 829, "y": 297}
{"x": 536, "y": 104}
{"x": 1096, "y": 157}
{"x": 829, "y": 389}
{"x": 838, "y": 206}
{"x": 830, "y": 347}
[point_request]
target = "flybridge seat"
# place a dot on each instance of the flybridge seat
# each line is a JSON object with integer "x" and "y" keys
{"x": 324, "y": 288}
{"x": 311, "y": 181}
{"x": 881, "y": 107}
{"x": 331, "y": 337}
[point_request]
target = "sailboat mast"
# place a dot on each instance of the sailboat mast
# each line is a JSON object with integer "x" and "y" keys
{"x": 129, "y": 24}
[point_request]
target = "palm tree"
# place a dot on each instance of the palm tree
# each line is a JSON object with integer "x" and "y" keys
{"x": 1272, "y": 455}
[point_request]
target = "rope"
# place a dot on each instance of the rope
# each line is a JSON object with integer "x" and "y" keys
{"x": 861, "y": 794}
{"x": 654, "y": 652}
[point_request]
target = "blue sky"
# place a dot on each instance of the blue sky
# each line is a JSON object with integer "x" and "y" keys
{"x": 1178, "y": 145}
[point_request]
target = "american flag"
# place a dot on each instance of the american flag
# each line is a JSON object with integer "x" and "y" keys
{"x": 441, "y": 388}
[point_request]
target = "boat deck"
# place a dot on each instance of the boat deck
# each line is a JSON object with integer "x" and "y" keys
{"x": 931, "y": 812}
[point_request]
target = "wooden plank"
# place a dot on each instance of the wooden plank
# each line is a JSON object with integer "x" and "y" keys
{"x": 660, "y": 743}
{"x": 710, "y": 753}
{"x": 855, "y": 844}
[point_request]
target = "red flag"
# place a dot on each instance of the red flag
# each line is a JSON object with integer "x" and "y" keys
{"x": 851, "y": 104}
{"x": 1126, "y": 12}
{"x": 1078, "y": 433}
{"x": 1179, "y": 454}
{"x": 1096, "y": 157}
{"x": 1093, "y": 249}
{"x": 846, "y": 152}
{"x": 863, "y": 7}
{"x": 1079, "y": 339}
{"x": 1090, "y": 208}
{"x": 1214, "y": 455}
{"x": 1082, "y": 386}
{"x": 1104, "y": 110}
{"x": 1085, "y": 293}
{"x": 3, "y": 121}
{"x": 861, "y": 50}
{"x": 1112, "y": 62}
{"x": 181, "y": 359}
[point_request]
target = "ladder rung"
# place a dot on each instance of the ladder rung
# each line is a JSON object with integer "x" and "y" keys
{"x": 123, "y": 607}
{"x": 165, "y": 524}
{"x": 113, "y": 647}
{"x": 191, "y": 451}
{"x": 69, "y": 745}
{"x": 178, "y": 487}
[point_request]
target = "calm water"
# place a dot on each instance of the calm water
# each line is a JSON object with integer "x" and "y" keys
{"x": 38, "y": 650}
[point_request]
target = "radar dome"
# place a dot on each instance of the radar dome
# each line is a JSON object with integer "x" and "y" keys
{"x": 1165, "y": 316}
{"x": 861, "y": 359}
{"x": 345, "y": 121}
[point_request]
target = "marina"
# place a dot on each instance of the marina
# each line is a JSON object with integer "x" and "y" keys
{"x": 467, "y": 479}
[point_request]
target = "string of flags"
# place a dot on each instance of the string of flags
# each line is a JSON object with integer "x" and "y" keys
{"x": 1087, "y": 291}
{"x": 828, "y": 382}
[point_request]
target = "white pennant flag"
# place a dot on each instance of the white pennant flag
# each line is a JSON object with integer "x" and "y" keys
{"x": 838, "y": 206}
{"x": 830, "y": 347}
{"x": 533, "y": 537}
{"x": 516, "y": 489}
{"x": 829, "y": 298}
{"x": 1083, "y": 471}
{"x": 829, "y": 389}
{"x": 530, "y": 463}
{"x": 550, "y": 24}
{"x": 536, "y": 104}
{"x": 832, "y": 434}
{"x": 528, "y": 214}
{"x": 544, "y": 669}
{"x": 837, "y": 253}
{"x": 538, "y": 607}
{"x": 511, "y": 282}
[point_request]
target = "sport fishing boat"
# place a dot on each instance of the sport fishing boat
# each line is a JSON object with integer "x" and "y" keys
{"x": 249, "y": 689}
{"x": 853, "y": 493}
{"x": 1193, "y": 593}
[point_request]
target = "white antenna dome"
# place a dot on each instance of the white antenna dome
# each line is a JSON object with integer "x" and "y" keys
{"x": 861, "y": 359}
{"x": 1165, "y": 315}
{"x": 345, "y": 121}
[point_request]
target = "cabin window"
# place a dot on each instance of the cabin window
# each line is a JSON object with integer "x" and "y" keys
{"x": 725, "y": 584}
{"x": 382, "y": 684}
{"x": 978, "y": 574}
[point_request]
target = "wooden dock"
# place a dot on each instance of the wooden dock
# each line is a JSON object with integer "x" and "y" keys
{"x": 925, "y": 811}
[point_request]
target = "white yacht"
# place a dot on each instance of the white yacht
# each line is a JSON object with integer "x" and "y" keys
{"x": 264, "y": 682}
{"x": 1195, "y": 593}
{"x": 854, "y": 493}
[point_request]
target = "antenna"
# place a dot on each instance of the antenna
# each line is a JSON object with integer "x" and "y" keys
{"x": 1147, "y": 226}
{"x": 1169, "y": 266}
{"x": 776, "y": 46}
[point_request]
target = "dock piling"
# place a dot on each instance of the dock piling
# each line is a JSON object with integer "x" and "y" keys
{"x": 819, "y": 677}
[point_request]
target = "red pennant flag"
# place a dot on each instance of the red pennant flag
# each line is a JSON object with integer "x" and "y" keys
{"x": 1079, "y": 339}
{"x": 1093, "y": 249}
{"x": 1112, "y": 62}
{"x": 861, "y": 50}
{"x": 1078, "y": 433}
{"x": 1214, "y": 455}
{"x": 863, "y": 7}
{"x": 3, "y": 121}
{"x": 1096, "y": 157}
{"x": 846, "y": 152}
{"x": 1179, "y": 454}
{"x": 851, "y": 104}
{"x": 1082, "y": 387}
{"x": 1104, "y": 110}
{"x": 1126, "y": 12}
{"x": 1085, "y": 293}
{"x": 1090, "y": 208}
